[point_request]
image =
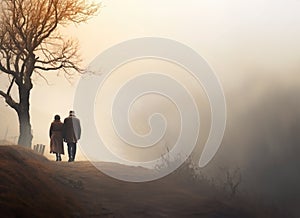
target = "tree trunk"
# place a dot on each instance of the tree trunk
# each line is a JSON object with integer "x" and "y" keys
{"x": 25, "y": 137}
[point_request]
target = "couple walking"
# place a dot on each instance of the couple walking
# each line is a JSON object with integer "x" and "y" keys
{"x": 69, "y": 131}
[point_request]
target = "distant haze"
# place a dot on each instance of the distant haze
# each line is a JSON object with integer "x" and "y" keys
{"x": 253, "y": 46}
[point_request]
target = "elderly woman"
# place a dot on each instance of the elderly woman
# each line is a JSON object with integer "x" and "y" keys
{"x": 56, "y": 137}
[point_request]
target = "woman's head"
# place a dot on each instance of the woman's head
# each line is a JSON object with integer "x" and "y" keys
{"x": 57, "y": 117}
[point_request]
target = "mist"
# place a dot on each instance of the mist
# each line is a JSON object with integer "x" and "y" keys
{"x": 262, "y": 138}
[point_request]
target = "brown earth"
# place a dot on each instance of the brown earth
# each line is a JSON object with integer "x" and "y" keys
{"x": 33, "y": 186}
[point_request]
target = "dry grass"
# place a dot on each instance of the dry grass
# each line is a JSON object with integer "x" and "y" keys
{"x": 32, "y": 186}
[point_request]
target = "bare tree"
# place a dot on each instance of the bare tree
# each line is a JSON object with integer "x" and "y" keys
{"x": 30, "y": 43}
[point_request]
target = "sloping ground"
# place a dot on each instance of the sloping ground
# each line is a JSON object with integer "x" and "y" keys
{"x": 28, "y": 187}
{"x": 32, "y": 186}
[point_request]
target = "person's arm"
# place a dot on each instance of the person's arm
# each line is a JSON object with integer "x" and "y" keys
{"x": 64, "y": 130}
{"x": 79, "y": 129}
{"x": 50, "y": 130}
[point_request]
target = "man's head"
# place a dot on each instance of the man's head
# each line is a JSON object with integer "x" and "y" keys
{"x": 72, "y": 113}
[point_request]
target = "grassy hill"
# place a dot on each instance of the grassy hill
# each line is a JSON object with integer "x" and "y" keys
{"x": 33, "y": 186}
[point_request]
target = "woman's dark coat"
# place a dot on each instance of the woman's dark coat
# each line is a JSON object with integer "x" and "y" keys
{"x": 56, "y": 137}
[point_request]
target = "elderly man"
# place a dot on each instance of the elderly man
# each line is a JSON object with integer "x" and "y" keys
{"x": 72, "y": 132}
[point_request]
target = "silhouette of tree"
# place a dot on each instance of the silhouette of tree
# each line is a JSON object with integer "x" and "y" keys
{"x": 30, "y": 43}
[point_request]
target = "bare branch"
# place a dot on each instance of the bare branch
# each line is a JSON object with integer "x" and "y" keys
{"x": 9, "y": 100}
{"x": 44, "y": 78}
{"x": 10, "y": 86}
{"x": 48, "y": 68}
